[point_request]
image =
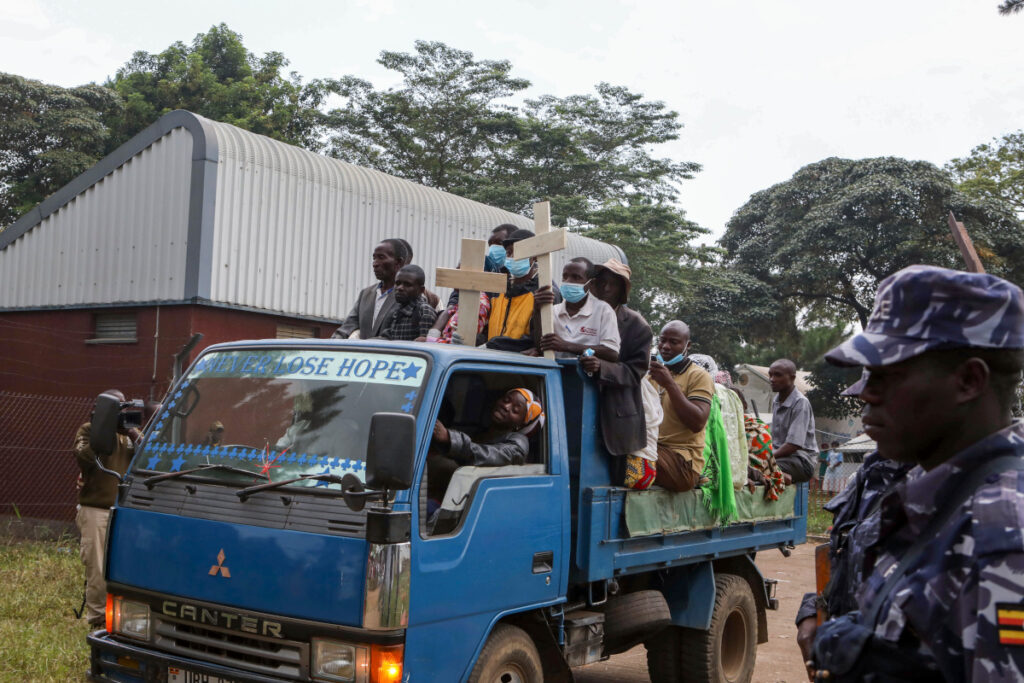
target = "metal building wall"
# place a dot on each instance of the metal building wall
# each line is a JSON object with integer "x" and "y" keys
{"x": 294, "y": 230}
{"x": 121, "y": 240}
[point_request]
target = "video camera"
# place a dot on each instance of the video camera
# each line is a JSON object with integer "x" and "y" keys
{"x": 131, "y": 415}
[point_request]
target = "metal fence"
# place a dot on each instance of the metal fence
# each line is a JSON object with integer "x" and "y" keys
{"x": 37, "y": 468}
{"x": 823, "y": 489}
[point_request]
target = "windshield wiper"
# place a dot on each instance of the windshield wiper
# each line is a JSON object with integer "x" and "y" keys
{"x": 244, "y": 494}
{"x": 152, "y": 481}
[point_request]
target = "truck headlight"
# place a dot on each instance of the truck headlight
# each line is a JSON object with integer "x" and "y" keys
{"x": 337, "y": 661}
{"x": 128, "y": 618}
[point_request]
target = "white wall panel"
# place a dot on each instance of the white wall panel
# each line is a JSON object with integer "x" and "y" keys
{"x": 121, "y": 240}
{"x": 294, "y": 230}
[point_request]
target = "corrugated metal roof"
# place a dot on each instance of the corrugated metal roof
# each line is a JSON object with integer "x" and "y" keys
{"x": 121, "y": 240}
{"x": 258, "y": 223}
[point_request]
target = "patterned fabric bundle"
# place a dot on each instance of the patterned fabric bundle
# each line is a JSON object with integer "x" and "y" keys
{"x": 640, "y": 472}
{"x": 717, "y": 494}
{"x": 453, "y": 321}
{"x": 760, "y": 439}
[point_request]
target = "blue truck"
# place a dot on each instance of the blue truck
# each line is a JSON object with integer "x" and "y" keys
{"x": 308, "y": 543}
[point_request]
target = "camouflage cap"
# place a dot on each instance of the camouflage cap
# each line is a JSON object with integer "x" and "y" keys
{"x": 925, "y": 308}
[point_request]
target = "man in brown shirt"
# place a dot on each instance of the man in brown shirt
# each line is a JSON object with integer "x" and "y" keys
{"x": 686, "y": 392}
{"x": 95, "y": 498}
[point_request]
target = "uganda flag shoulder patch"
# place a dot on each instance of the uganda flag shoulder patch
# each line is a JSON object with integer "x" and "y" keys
{"x": 1010, "y": 618}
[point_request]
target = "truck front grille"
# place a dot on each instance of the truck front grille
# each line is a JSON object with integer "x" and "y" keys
{"x": 271, "y": 656}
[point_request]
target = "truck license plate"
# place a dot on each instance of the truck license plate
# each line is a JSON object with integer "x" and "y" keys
{"x": 175, "y": 675}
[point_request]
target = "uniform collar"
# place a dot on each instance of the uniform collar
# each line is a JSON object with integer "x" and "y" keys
{"x": 923, "y": 491}
{"x": 586, "y": 309}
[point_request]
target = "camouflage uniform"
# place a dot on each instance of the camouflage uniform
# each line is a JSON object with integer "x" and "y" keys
{"x": 873, "y": 479}
{"x": 947, "y": 606}
{"x": 959, "y": 609}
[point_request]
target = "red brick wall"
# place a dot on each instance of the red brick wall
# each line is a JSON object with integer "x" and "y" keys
{"x": 49, "y": 374}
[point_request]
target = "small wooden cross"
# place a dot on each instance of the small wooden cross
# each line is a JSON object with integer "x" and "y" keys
{"x": 963, "y": 240}
{"x": 470, "y": 279}
{"x": 541, "y": 246}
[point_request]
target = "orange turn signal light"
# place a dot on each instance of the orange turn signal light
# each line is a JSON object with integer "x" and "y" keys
{"x": 110, "y": 613}
{"x": 386, "y": 663}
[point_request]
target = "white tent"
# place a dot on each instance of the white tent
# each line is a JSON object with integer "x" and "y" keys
{"x": 862, "y": 443}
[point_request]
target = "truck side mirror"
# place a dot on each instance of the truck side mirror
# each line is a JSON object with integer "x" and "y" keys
{"x": 391, "y": 451}
{"x": 103, "y": 425}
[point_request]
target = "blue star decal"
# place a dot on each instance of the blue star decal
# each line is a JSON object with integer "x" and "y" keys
{"x": 406, "y": 407}
{"x": 290, "y": 458}
{"x": 324, "y": 483}
{"x": 302, "y": 459}
{"x": 411, "y": 396}
{"x": 177, "y": 463}
{"x": 412, "y": 371}
{"x": 178, "y": 394}
{"x": 359, "y": 466}
{"x": 151, "y": 465}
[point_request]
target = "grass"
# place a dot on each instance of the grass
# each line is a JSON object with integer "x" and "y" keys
{"x": 40, "y": 638}
{"x": 818, "y": 521}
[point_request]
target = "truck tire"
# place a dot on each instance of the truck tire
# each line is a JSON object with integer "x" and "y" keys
{"x": 508, "y": 656}
{"x": 724, "y": 653}
{"x": 632, "y": 618}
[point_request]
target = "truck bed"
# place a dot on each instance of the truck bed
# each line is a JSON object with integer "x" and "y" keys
{"x": 617, "y": 531}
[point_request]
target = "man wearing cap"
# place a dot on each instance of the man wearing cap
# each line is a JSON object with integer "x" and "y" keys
{"x": 942, "y": 556}
{"x": 622, "y": 415}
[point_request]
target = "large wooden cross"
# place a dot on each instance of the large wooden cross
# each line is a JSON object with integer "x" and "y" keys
{"x": 542, "y": 245}
{"x": 470, "y": 279}
{"x": 963, "y": 240}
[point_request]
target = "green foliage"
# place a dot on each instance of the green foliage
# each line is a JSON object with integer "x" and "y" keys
{"x": 443, "y": 128}
{"x": 823, "y": 240}
{"x": 48, "y": 135}
{"x": 40, "y": 639}
{"x": 447, "y": 127}
{"x": 829, "y": 381}
{"x": 994, "y": 171}
{"x": 217, "y": 77}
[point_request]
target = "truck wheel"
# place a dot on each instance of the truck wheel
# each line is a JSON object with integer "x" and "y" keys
{"x": 631, "y": 618}
{"x": 724, "y": 653}
{"x": 509, "y": 656}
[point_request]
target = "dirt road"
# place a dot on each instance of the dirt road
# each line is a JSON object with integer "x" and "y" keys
{"x": 777, "y": 660}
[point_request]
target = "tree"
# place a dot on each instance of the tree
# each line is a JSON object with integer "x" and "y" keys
{"x": 48, "y": 135}
{"x": 994, "y": 171}
{"x": 1011, "y": 6}
{"x": 217, "y": 77}
{"x": 447, "y": 126}
{"x": 824, "y": 239}
{"x": 444, "y": 128}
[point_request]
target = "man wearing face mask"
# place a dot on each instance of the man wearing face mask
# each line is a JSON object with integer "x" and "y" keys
{"x": 511, "y": 325}
{"x": 686, "y": 392}
{"x": 582, "y": 321}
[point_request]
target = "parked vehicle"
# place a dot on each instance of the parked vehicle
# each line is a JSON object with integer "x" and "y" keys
{"x": 309, "y": 547}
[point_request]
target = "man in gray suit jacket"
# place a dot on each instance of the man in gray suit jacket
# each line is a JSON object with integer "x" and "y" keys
{"x": 376, "y": 303}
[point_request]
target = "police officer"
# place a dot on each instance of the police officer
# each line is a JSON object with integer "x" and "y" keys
{"x": 873, "y": 478}
{"x": 941, "y": 559}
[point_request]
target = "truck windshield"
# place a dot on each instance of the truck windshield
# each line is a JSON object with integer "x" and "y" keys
{"x": 280, "y": 412}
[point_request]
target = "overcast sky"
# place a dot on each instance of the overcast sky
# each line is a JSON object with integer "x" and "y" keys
{"x": 762, "y": 88}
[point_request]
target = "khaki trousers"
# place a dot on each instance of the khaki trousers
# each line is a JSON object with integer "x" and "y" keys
{"x": 92, "y": 523}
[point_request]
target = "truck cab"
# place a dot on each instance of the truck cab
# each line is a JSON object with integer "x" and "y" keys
{"x": 317, "y": 541}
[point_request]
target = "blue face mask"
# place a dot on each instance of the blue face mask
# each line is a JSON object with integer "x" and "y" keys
{"x": 518, "y": 266}
{"x": 496, "y": 256}
{"x": 572, "y": 292}
{"x": 672, "y": 361}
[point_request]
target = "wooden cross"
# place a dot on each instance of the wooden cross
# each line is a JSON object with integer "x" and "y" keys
{"x": 963, "y": 240}
{"x": 470, "y": 279}
{"x": 541, "y": 246}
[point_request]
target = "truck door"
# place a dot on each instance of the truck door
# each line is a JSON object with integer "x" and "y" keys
{"x": 492, "y": 540}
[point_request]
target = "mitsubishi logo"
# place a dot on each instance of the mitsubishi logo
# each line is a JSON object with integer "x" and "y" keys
{"x": 219, "y": 567}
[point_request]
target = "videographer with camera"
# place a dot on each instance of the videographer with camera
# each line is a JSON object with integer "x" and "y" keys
{"x": 98, "y": 493}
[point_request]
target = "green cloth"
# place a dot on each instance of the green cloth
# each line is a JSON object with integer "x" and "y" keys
{"x": 718, "y": 494}
{"x": 657, "y": 511}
